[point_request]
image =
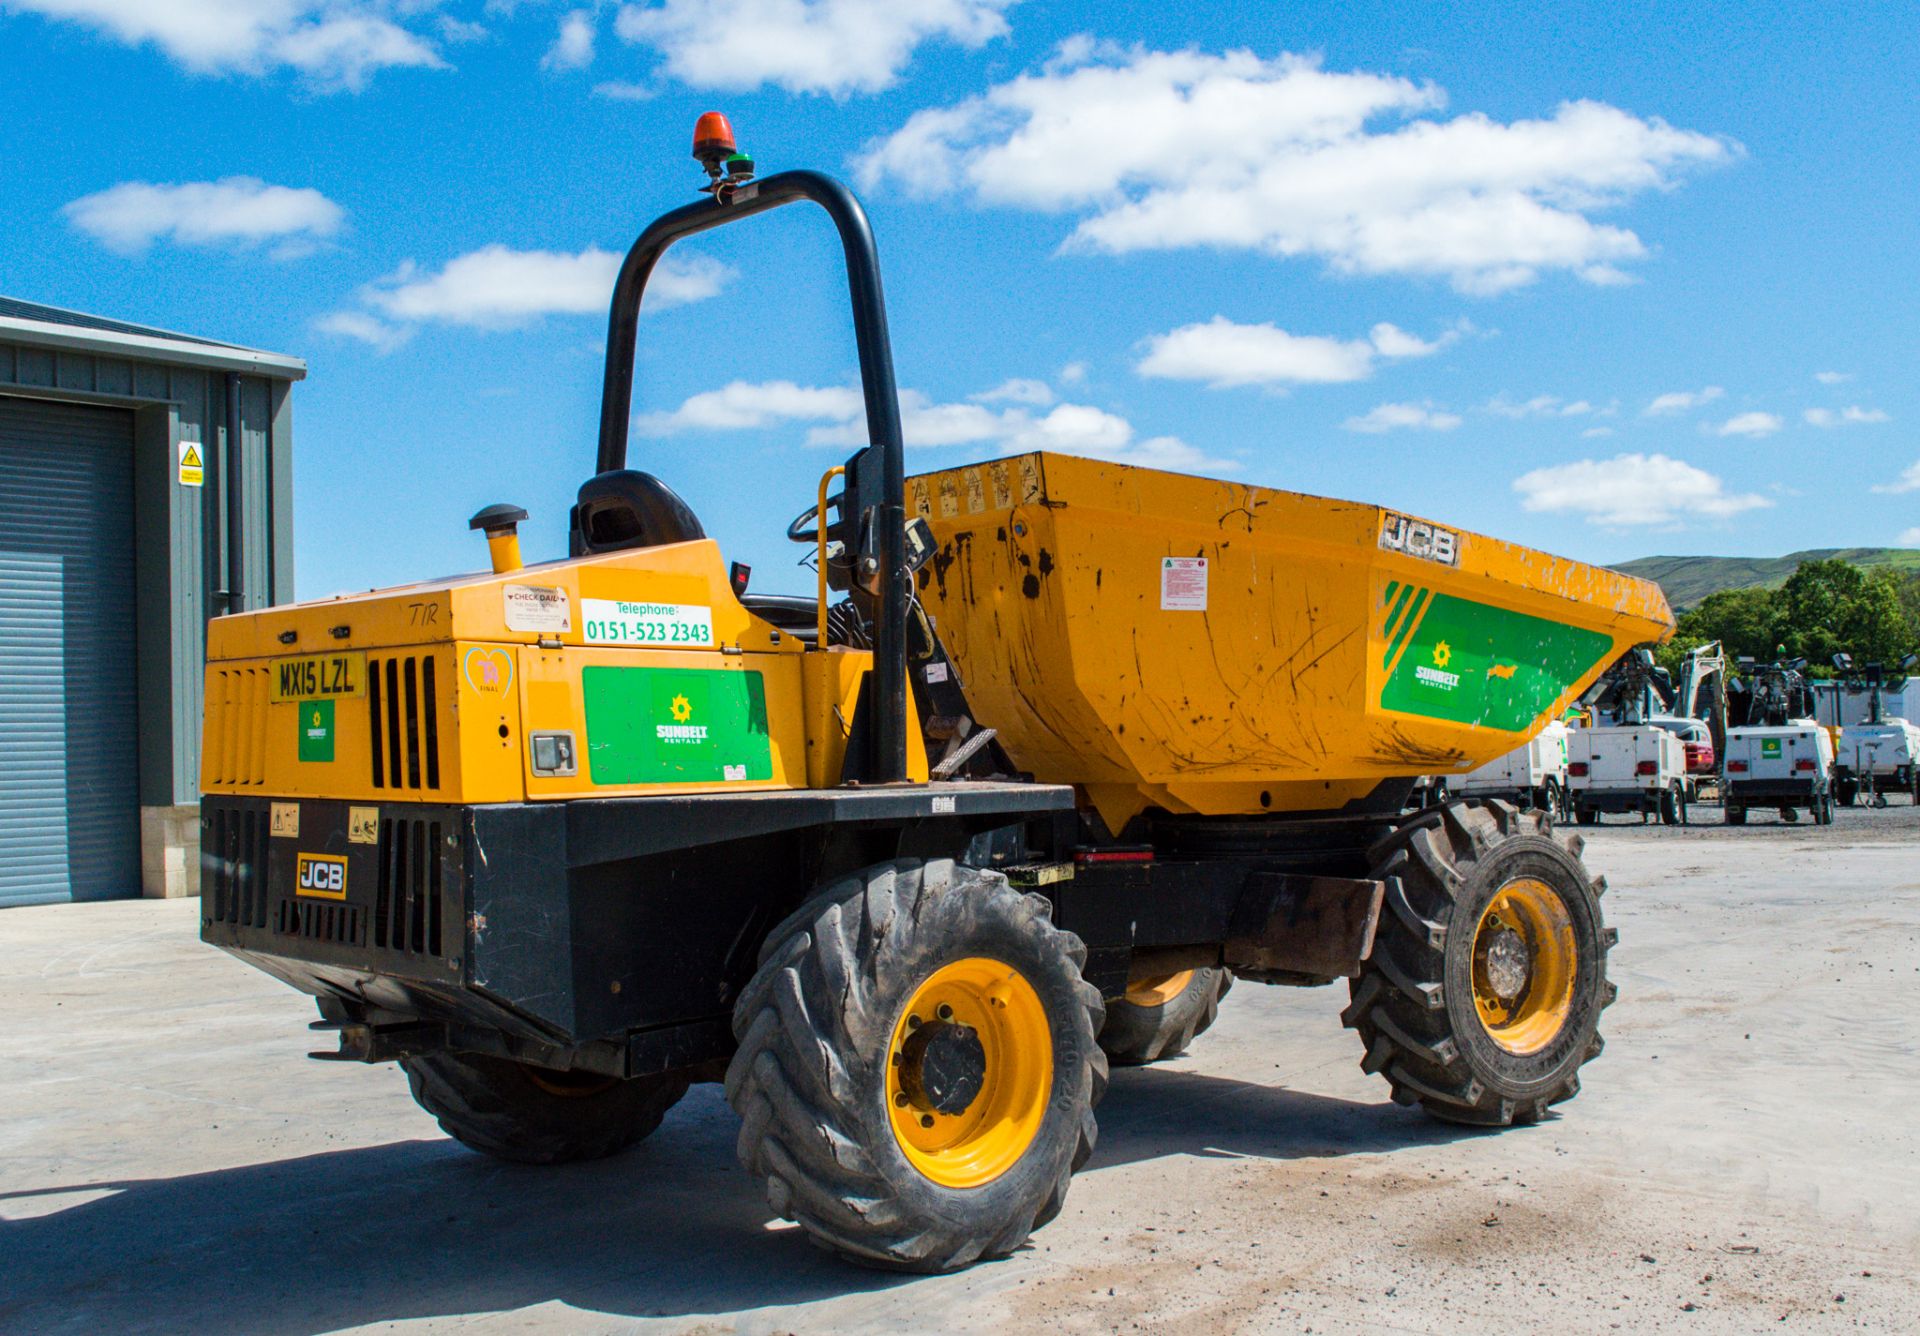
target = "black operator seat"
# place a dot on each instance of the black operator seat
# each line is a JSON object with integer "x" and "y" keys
{"x": 625, "y": 508}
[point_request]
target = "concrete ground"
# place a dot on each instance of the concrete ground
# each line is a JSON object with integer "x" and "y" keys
{"x": 1745, "y": 1156}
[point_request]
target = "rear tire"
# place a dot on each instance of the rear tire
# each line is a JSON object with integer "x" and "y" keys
{"x": 530, "y": 1115}
{"x": 1421, "y": 1003}
{"x": 828, "y": 1125}
{"x": 1587, "y": 816}
{"x": 1735, "y": 816}
{"x": 1160, "y": 1018}
{"x": 1670, "y": 806}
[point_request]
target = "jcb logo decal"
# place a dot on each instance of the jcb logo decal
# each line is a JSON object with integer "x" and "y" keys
{"x": 1417, "y": 538}
{"x": 322, "y": 875}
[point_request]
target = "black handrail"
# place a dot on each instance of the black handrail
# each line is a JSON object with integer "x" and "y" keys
{"x": 882, "y": 497}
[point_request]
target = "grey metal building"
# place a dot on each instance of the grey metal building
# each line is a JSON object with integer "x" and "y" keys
{"x": 145, "y": 485}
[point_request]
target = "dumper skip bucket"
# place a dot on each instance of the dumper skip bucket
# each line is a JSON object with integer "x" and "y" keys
{"x": 1213, "y": 648}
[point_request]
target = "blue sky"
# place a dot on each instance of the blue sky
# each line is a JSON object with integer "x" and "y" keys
{"x": 1602, "y": 282}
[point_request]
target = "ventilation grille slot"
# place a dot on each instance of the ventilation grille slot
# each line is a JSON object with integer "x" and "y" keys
{"x": 235, "y": 853}
{"x": 403, "y": 722}
{"x": 406, "y": 908}
{"x": 237, "y": 710}
{"x": 322, "y": 921}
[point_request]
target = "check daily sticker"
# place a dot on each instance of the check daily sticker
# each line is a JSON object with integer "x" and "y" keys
{"x": 539, "y": 608}
{"x": 606, "y": 621}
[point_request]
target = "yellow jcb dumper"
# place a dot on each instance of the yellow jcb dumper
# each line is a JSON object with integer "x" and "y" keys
{"x": 1081, "y": 744}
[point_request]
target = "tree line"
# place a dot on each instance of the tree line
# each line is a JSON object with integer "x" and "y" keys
{"x": 1825, "y": 608}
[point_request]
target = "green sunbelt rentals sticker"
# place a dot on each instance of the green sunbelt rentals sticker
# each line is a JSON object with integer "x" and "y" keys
{"x": 316, "y": 730}
{"x": 675, "y": 726}
{"x": 1451, "y": 658}
{"x": 1770, "y": 748}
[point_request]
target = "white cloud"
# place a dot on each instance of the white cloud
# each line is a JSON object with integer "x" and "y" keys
{"x": 1846, "y": 417}
{"x": 1016, "y": 391}
{"x": 1596, "y": 433}
{"x": 341, "y": 51}
{"x": 1396, "y": 417}
{"x": 1392, "y": 341}
{"x": 1073, "y": 373}
{"x": 1750, "y": 425}
{"x": 1631, "y": 490}
{"x": 497, "y": 287}
{"x": 620, "y": 91}
{"x": 1078, "y": 429}
{"x": 804, "y": 46}
{"x": 1833, "y": 377}
{"x": 741, "y": 405}
{"x": 572, "y": 48}
{"x": 239, "y": 211}
{"x": 368, "y": 329}
{"x": 1908, "y": 481}
{"x": 1225, "y": 354}
{"x": 459, "y": 30}
{"x": 335, "y": 44}
{"x": 1908, "y": 538}
{"x": 1542, "y": 406}
{"x": 1679, "y": 401}
{"x": 1157, "y": 150}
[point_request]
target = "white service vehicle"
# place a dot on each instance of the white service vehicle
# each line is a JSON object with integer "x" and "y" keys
{"x": 1786, "y": 766}
{"x": 1886, "y": 752}
{"x": 1627, "y": 768}
{"x": 1533, "y": 774}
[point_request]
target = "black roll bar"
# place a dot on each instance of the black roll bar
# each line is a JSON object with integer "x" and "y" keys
{"x": 880, "y": 499}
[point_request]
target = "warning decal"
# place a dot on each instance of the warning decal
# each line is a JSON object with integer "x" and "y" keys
{"x": 1183, "y": 584}
{"x": 535, "y": 608}
{"x": 193, "y": 469}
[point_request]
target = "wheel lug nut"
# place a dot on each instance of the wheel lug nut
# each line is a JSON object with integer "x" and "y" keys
{"x": 945, "y": 1013}
{"x": 913, "y": 1022}
{"x": 926, "y": 1120}
{"x": 900, "y": 1099}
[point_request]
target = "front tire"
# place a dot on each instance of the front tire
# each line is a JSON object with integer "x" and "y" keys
{"x": 1482, "y": 998}
{"x": 530, "y": 1115}
{"x": 1160, "y": 1017}
{"x": 917, "y": 1067}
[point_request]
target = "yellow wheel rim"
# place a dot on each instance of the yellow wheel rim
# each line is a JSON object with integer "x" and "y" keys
{"x": 1524, "y": 960}
{"x": 1159, "y": 989}
{"x": 983, "y": 1001}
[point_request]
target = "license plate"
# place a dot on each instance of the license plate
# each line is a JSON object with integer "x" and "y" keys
{"x": 317, "y": 677}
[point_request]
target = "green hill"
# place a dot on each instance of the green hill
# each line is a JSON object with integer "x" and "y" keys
{"x": 1687, "y": 580}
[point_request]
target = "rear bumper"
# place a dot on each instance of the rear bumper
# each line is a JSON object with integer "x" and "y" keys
{"x": 1760, "y": 792}
{"x": 625, "y": 921}
{"x": 1899, "y": 774}
{"x": 1618, "y": 800}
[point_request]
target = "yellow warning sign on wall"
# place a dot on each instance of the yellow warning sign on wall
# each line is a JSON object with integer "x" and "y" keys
{"x": 193, "y": 470}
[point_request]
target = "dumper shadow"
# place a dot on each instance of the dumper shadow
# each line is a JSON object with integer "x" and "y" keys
{"x": 417, "y": 1229}
{"x": 1154, "y": 1112}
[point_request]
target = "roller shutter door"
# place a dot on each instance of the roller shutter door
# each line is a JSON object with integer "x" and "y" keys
{"x": 69, "y": 796}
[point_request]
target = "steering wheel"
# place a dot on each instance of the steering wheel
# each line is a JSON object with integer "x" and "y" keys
{"x": 797, "y": 534}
